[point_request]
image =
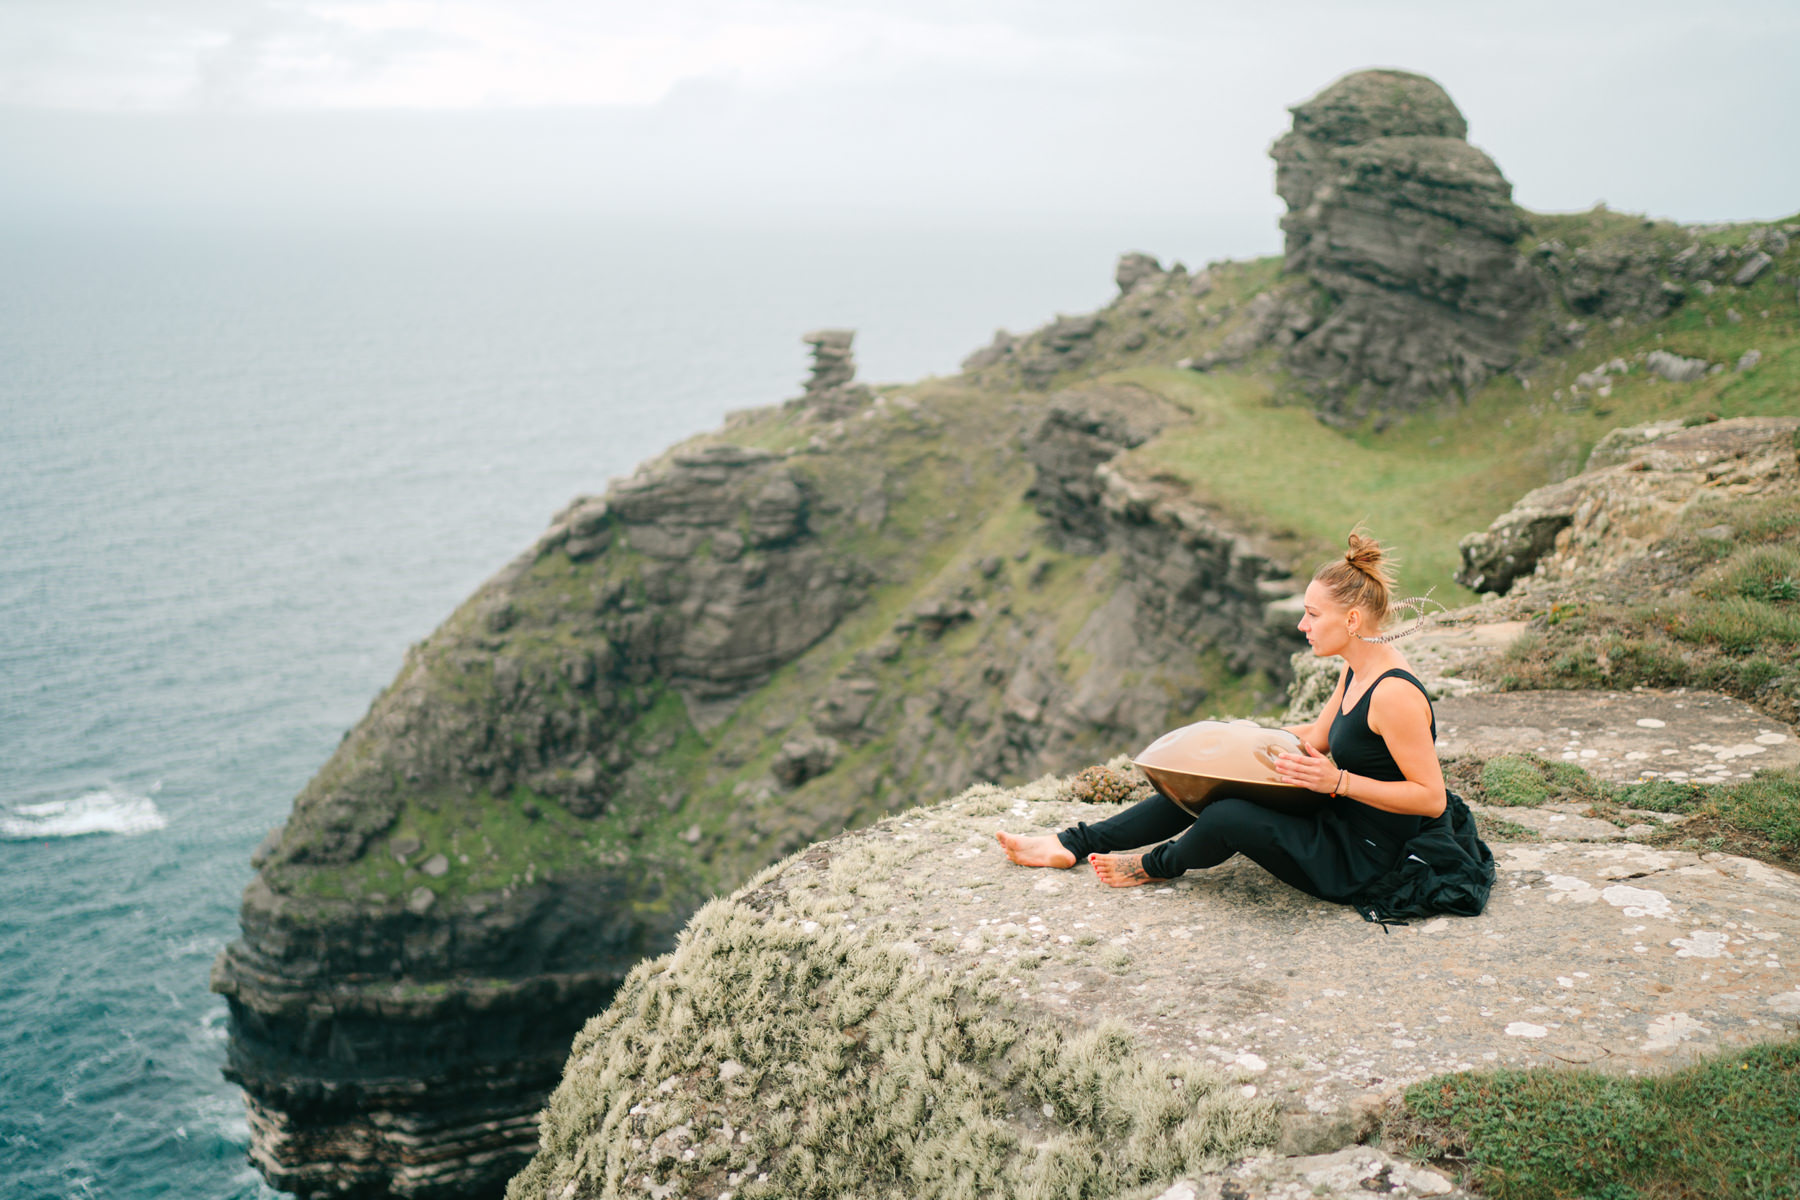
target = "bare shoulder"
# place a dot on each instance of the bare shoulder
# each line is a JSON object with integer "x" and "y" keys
{"x": 1395, "y": 701}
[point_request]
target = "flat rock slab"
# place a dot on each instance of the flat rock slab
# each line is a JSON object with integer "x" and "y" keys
{"x": 1615, "y": 956}
{"x": 1563, "y": 826}
{"x": 1622, "y": 737}
{"x": 1349, "y": 1174}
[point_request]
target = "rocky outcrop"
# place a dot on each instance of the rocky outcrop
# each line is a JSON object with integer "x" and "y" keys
{"x": 1191, "y": 575}
{"x": 1081, "y": 429}
{"x": 1412, "y": 234}
{"x": 401, "y": 1045}
{"x": 1642, "y": 270}
{"x": 1639, "y": 482}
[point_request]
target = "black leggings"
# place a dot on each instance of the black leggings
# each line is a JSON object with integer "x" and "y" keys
{"x": 1289, "y": 847}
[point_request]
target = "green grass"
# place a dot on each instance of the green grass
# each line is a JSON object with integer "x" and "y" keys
{"x": 1736, "y": 629}
{"x": 1522, "y": 781}
{"x": 1426, "y": 479}
{"x": 1757, "y": 817}
{"x": 1421, "y": 484}
{"x": 1727, "y": 1127}
{"x": 505, "y": 848}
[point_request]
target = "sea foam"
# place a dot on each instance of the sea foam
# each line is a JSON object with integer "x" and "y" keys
{"x": 104, "y": 811}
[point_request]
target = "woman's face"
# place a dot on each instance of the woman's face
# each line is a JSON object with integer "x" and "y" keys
{"x": 1328, "y": 625}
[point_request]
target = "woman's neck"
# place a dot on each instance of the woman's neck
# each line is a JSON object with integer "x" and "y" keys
{"x": 1366, "y": 656}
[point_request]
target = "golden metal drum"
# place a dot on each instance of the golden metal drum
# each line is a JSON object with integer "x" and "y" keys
{"x": 1210, "y": 760}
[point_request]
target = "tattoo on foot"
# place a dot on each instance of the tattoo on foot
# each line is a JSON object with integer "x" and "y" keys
{"x": 1121, "y": 870}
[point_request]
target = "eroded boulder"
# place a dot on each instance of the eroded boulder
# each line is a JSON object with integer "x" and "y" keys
{"x": 1647, "y": 477}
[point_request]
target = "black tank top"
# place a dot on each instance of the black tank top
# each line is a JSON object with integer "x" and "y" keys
{"x": 1361, "y": 751}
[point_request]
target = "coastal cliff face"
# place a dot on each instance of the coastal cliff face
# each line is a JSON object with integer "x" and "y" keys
{"x": 832, "y": 609}
{"x": 767, "y": 636}
{"x": 426, "y": 930}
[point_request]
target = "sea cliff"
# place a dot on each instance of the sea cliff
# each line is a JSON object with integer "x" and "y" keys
{"x": 834, "y": 608}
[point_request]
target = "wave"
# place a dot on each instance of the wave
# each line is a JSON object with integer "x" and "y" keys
{"x": 103, "y": 811}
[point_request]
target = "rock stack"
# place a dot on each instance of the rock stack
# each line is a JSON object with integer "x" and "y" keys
{"x": 832, "y": 390}
{"x": 1411, "y": 235}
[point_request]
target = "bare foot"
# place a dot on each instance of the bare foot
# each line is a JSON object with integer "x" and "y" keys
{"x": 1042, "y": 851}
{"x": 1121, "y": 870}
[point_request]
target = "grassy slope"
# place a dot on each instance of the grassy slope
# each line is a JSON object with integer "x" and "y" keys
{"x": 1431, "y": 477}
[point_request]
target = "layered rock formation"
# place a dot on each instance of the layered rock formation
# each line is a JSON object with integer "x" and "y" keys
{"x": 1412, "y": 236}
{"x": 831, "y": 389}
{"x": 811, "y": 619}
{"x": 429, "y": 929}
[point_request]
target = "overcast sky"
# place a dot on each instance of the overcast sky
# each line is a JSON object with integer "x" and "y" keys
{"x": 1037, "y": 112}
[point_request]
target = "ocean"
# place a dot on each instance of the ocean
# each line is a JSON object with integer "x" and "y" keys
{"x": 241, "y": 469}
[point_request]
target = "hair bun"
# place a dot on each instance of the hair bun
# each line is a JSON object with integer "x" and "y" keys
{"x": 1366, "y": 555}
{"x": 1363, "y": 578}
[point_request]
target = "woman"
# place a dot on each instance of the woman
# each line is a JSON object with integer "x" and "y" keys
{"x": 1384, "y": 784}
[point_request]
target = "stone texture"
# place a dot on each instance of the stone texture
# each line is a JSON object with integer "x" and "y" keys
{"x": 1621, "y": 737}
{"x": 1613, "y": 957}
{"x": 1353, "y": 1173}
{"x": 1675, "y": 368}
{"x": 1636, "y": 277}
{"x": 1082, "y": 428}
{"x": 1752, "y": 269}
{"x": 1136, "y": 268}
{"x": 1616, "y": 956}
{"x": 360, "y": 1080}
{"x": 1412, "y": 235}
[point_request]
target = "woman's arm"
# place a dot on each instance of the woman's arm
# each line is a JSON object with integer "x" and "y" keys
{"x": 1318, "y": 734}
{"x": 1401, "y": 715}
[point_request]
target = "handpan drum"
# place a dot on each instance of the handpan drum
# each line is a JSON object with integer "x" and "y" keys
{"x": 1213, "y": 760}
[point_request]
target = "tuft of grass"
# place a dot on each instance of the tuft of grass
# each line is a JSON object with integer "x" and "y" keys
{"x": 1729, "y": 1126}
{"x": 1526, "y": 781}
{"x": 1760, "y": 815}
{"x": 1769, "y": 574}
{"x": 1737, "y": 630}
{"x": 1757, "y": 817}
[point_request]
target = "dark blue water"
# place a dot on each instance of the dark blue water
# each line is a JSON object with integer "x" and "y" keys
{"x": 239, "y": 472}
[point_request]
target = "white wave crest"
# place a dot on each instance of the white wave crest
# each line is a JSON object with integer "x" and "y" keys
{"x": 104, "y": 811}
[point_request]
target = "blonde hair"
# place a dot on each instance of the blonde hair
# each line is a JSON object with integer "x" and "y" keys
{"x": 1363, "y": 578}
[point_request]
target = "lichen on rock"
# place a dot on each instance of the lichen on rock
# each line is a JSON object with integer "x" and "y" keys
{"x": 789, "y": 1049}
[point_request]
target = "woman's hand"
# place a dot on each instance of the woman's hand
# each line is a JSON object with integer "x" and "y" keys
{"x": 1310, "y": 769}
